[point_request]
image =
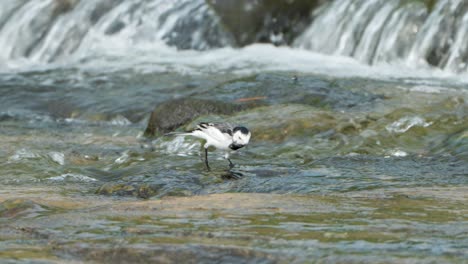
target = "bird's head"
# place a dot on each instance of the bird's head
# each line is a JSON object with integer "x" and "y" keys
{"x": 240, "y": 137}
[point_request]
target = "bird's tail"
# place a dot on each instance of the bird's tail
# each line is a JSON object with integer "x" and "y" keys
{"x": 178, "y": 134}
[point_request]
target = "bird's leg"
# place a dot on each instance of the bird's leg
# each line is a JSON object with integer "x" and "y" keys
{"x": 206, "y": 159}
{"x": 226, "y": 156}
{"x": 231, "y": 165}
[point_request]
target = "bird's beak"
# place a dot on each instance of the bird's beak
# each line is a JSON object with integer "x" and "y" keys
{"x": 235, "y": 146}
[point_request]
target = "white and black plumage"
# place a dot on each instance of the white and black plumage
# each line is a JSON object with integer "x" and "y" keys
{"x": 224, "y": 137}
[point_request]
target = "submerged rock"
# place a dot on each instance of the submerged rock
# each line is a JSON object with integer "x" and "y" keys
{"x": 116, "y": 189}
{"x": 144, "y": 191}
{"x": 147, "y": 188}
{"x": 170, "y": 253}
{"x": 15, "y": 208}
{"x": 172, "y": 114}
{"x": 308, "y": 89}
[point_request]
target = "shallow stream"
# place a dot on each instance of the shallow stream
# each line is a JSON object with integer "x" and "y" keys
{"x": 348, "y": 163}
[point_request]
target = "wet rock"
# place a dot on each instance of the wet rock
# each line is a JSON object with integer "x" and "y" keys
{"x": 201, "y": 30}
{"x": 277, "y": 22}
{"x": 170, "y": 115}
{"x": 115, "y": 27}
{"x": 63, "y": 6}
{"x": 144, "y": 191}
{"x": 146, "y": 188}
{"x": 116, "y": 189}
{"x": 6, "y": 117}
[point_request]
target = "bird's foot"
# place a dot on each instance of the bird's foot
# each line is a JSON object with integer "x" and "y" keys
{"x": 231, "y": 165}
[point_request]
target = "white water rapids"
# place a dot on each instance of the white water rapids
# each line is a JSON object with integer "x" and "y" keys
{"x": 396, "y": 38}
{"x": 380, "y": 31}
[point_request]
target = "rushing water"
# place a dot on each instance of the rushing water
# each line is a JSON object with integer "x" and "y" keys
{"x": 348, "y": 162}
{"x": 375, "y": 31}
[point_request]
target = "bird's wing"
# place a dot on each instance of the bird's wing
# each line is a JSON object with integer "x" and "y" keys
{"x": 217, "y": 131}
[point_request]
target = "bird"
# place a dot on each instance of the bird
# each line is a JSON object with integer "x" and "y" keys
{"x": 222, "y": 136}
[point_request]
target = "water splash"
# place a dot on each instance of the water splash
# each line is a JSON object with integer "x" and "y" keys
{"x": 397, "y": 153}
{"x": 23, "y": 154}
{"x": 406, "y": 123}
{"x": 177, "y": 146}
{"x": 57, "y": 157}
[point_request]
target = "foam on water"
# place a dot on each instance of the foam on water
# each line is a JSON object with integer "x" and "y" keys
{"x": 72, "y": 177}
{"x": 252, "y": 59}
{"x": 123, "y": 158}
{"x": 177, "y": 146}
{"x": 57, "y": 157}
{"x": 397, "y": 153}
{"x": 405, "y": 123}
{"x": 23, "y": 154}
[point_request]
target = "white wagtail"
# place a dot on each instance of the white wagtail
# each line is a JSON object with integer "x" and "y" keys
{"x": 221, "y": 136}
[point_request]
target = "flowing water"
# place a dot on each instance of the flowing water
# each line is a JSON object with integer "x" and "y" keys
{"x": 352, "y": 160}
{"x": 406, "y": 32}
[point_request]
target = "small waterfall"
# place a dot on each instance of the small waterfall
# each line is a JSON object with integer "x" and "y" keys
{"x": 370, "y": 38}
{"x": 458, "y": 55}
{"x": 398, "y": 32}
{"x": 376, "y": 31}
{"x": 53, "y": 30}
{"x": 24, "y": 27}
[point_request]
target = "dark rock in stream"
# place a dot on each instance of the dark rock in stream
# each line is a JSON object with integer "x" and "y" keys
{"x": 172, "y": 114}
{"x": 277, "y": 22}
{"x": 63, "y": 6}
